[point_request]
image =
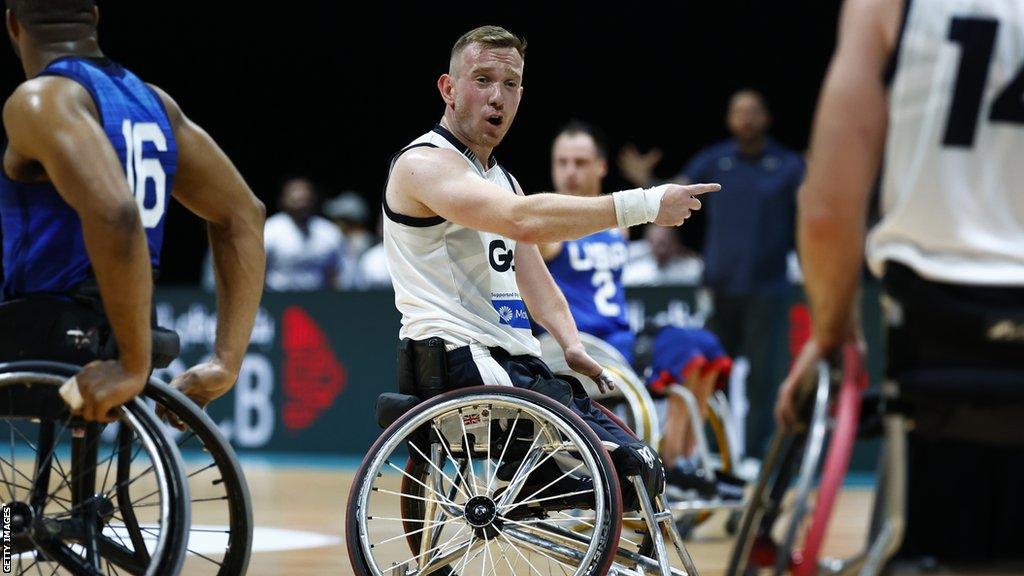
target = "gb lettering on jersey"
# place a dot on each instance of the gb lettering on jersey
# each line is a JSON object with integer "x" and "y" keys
{"x": 501, "y": 257}
{"x": 505, "y": 297}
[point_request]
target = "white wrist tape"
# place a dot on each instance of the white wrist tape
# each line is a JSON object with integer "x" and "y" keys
{"x": 71, "y": 394}
{"x": 637, "y": 206}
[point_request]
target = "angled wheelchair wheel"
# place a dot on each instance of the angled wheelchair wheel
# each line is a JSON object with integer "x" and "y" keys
{"x": 220, "y": 538}
{"x": 81, "y": 501}
{"x": 630, "y": 400}
{"x": 486, "y": 480}
{"x": 794, "y": 461}
{"x": 790, "y": 455}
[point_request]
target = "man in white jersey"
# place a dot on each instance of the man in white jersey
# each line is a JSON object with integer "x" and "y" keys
{"x": 461, "y": 241}
{"x": 938, "y": 90}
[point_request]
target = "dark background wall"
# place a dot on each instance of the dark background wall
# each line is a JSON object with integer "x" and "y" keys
{"x": 331, "y": 89}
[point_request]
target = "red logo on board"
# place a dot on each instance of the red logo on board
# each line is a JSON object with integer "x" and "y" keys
{"x": 313, "y": 377}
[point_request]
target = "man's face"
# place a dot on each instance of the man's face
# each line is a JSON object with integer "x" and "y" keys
{"x": 664, "y": 244}
{"x": 485, "y": 89}
{"x": 298, "y": 200}
{"x": 576, "y": 167}
{"x": 747, "y": 118}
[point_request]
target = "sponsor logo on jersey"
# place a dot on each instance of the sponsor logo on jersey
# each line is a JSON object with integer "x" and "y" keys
{"x": 511, "y": 312}
{"x": 506, "y": 314}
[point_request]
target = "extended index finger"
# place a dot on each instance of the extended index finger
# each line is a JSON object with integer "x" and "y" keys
{"x": 698, "y": 189}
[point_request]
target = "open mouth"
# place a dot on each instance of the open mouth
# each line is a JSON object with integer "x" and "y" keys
{"x": 495, "y": 120}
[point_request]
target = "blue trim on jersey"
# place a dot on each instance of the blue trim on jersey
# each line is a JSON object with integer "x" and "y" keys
{"x": 43, "y": 248}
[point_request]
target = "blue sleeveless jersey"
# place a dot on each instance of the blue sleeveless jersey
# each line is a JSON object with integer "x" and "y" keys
{"x": 589, "y": 272}
{"x": 44, "y": 251}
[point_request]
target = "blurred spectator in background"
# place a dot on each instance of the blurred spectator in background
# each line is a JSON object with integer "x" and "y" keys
{"x": 373, "y": 264}
{"x": 349, "y": 212}
{"x": 666, "y": 262}
{"x": 304, "y": 251}
{"x": 748, "y": 237}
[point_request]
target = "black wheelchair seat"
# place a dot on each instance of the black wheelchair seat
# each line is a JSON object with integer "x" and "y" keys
{"x": 391, "y": 406}
{"x": 977, "y": 405}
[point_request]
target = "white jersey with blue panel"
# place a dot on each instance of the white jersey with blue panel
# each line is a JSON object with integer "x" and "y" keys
{"x": 589, "y": 272}
{"x": 43, "y": 246}
{"x": 454, "y": 282}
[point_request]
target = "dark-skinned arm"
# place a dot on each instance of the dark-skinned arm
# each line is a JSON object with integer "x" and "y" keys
{"x": 210, "y": 186}
{"x": 54, "y": 122}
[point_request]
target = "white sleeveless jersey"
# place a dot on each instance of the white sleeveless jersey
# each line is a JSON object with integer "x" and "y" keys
{"x": 455, "y": 282}
{"x": 953, "y": 187}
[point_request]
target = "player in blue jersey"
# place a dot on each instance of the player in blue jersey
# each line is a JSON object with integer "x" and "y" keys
{"x": 589, "y": 273}
{"x": 589, "y": 270}
{"x": 91, "y": 159}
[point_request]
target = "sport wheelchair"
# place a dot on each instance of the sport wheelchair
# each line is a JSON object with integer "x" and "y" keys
{"x": 831, "y": 404}
{"x": 500, "y": 480}
{"x": 633, "y": 403}
{"x": 86, "y": 498}
{"x": 783, "y": 533}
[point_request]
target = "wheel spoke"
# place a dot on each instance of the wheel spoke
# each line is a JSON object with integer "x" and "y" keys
{"x": 400, "y": 536}
{"x": 528, "y": 500}
{"x": 501, "y": 458}
{"x": 517, "y": 551}
{"x": 469, "y": 453}
{"x": 448, "y": 453}
{"x": 406, "y": 474}
{"x": 439, "y": 471}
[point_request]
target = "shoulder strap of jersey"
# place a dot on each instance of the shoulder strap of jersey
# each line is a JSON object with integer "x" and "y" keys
{"x": 416, "y": 221}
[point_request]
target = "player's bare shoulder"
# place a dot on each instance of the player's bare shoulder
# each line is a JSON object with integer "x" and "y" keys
{"x": 417, "y": 173}
{"x": 45, "y": 99}
{"x": 174, "y": 115}
{"x": 874, "y": 22}
{"x": 35, "y": 109}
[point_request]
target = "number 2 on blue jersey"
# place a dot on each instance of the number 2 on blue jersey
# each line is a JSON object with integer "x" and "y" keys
{"x": 604, "y": 281}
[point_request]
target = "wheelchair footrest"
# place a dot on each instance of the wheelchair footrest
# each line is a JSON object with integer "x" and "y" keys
{"x": 686, "y": 507}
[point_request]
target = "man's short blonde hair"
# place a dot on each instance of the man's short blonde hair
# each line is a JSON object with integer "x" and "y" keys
{"x": 489, "y": 37}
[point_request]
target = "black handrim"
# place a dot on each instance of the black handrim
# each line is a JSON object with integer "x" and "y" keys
{"x": 232, "y": 479}
{"x": 104, "y": 553}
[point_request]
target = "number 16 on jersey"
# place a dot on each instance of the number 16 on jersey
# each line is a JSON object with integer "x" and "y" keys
{"x": 139, "y": 169}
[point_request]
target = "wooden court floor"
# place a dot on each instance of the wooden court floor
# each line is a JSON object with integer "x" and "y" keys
{"x": 312, "y": 500}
